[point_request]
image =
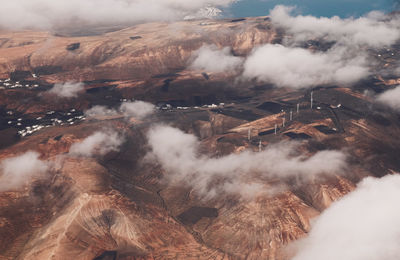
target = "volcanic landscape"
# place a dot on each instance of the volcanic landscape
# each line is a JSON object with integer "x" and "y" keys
{"x": 198, "y": 176}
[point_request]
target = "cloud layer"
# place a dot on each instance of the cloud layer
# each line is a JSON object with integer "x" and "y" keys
{"x": 177, "y": 152}
{"x": 390, "y": 98}
{"x": 137, "y": 109}
{"x": 364, "y": 225}
{"x": 212, "y": 59}
{"x": 301, "y": 68}
{"x": 99, "y": 143}
{"x": 67, "y": 90}
{"x": 17, "y": 171}
{"x": 49, "y": 14}
{"x": 100, "y": 111}
{"x": 344, "y": 63}
{"x": 374, "y": 30}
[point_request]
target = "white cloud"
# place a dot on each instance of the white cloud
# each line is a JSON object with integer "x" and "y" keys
{"x": 48, "y": 14}
{"x": 212, "y": 59}
{"x": 374, "y": 30}
{"x": 242, "y": 173}
{"x": 138, "y": 109}
{"x": 301, "y": 68}
{"x": 390, "y": 98}
{"x": 67, "y": 90}
{"x": 17, "y": 171}
{"x": 100, "y": 111}
{"x": 344, "y": 63}
{"x": 364, "y": 225}
{"x": 99, "y": 143}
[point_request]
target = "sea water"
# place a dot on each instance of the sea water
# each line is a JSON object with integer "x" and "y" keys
{"x": 326, "y": 8}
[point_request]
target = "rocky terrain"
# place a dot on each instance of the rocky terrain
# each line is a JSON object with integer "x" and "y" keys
{"x": 118, "y": 204}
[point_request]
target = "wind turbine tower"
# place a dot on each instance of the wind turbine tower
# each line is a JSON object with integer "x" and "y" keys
{"x": 312, "y": 99}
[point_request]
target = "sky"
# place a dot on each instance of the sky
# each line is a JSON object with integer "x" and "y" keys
{"x": 342, "y": 8}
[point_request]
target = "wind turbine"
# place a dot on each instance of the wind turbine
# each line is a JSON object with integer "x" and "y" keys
{"x": 312, "y": 99}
